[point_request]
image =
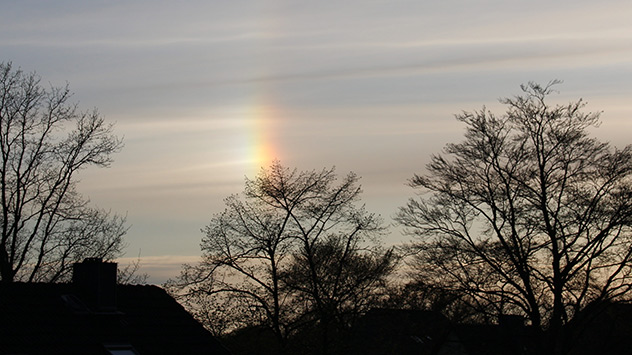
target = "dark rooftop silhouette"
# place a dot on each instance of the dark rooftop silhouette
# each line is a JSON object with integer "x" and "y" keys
{"x": 39, "y": 318}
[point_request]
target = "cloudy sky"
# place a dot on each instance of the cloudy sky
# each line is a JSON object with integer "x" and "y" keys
{"x": 207, "y": 92}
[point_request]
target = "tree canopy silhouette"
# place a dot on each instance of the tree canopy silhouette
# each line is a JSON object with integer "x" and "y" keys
{"x": 294, "y": 251}
{"x": 46, "y": 225}
{"x": 528, "y": 214}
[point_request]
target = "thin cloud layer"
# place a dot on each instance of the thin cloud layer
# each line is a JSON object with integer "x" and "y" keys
{"x": 206, "y": 93}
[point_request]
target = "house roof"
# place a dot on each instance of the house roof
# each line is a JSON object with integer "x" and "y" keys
{"x": 482, "y": 339}
{"x": 40, "y": 318}
{"x": 399, "y": 331}
{"x": 604, "y": 328}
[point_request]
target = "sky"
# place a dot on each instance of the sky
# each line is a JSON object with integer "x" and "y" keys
{"x": 206, "y": 93}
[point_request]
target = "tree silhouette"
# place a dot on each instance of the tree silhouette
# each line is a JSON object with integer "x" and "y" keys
{"x": 528, "y": 215}
{"x": 293, "y": 251}
{"x": 46, "y": 225}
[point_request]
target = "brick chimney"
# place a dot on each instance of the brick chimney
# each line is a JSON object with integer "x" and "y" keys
{"x": 95, "y": 282}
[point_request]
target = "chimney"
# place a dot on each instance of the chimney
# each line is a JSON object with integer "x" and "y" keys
{"x": 95, "y": 282}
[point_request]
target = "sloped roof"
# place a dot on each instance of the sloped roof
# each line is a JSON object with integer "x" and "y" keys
{"x": 39, "y": 318}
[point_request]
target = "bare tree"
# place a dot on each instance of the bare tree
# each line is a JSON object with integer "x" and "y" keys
{"x": 337, "y": 279}
{"x": 277, "y": 230}
{"x": 46, "y": 225}
{"x": 130, "y": 273}
{"x": 242, "y": 250}
{"x": 528, "y": 214}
